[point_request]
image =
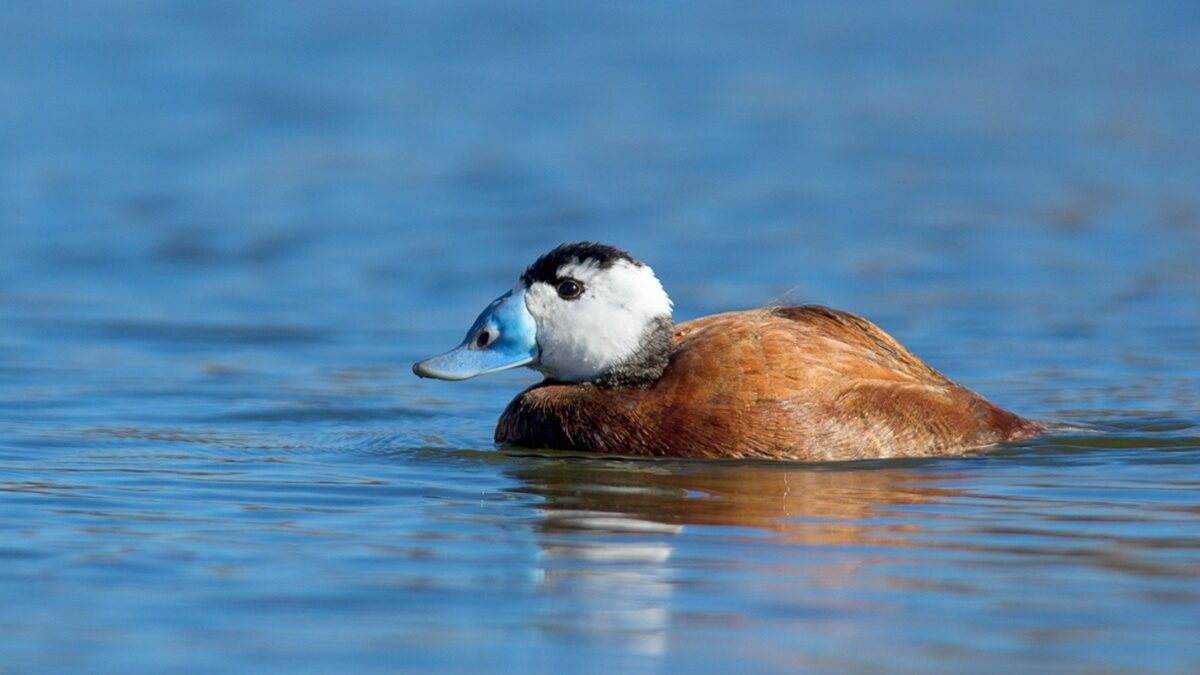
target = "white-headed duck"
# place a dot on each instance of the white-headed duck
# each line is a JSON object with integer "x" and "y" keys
{"x": 799, "y": 383}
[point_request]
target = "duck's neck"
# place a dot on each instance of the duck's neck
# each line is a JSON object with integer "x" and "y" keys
{"x": 646, "y": 364}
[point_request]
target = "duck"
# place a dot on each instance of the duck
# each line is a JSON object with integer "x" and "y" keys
{"x": 620, "y": 377}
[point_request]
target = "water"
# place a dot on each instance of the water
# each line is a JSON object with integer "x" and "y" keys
{"x": 228, "y": 229}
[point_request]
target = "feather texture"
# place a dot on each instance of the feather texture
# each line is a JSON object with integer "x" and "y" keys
{"x": 801, "y": 383}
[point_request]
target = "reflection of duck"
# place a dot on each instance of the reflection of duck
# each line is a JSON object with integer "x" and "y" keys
{"x": 614, "y": 539}
{"x": 779, "y": 382}
{"x": 800, "y": 505}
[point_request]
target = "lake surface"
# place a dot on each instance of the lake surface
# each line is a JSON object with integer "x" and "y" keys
{"x": 227, "y": 229}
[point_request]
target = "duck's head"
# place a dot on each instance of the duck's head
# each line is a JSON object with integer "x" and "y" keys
{"x": 580, "y": 313}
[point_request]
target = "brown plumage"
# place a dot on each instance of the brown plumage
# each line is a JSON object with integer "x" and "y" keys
{"x": 800, "y": 383}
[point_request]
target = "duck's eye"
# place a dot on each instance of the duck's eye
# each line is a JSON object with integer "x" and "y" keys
{"x": 483, "y": 339}
{"x": 569, "y": 289}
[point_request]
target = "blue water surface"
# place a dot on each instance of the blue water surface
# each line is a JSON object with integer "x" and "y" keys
{"x": 227, "y": 229}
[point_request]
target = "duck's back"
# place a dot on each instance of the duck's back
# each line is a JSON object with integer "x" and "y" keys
{"x": 807, "y": 383}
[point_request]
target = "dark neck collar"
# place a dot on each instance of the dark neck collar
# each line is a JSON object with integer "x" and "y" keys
{"x": 648, "y": 361}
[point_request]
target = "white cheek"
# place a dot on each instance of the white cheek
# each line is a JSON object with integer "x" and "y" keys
{"x": 571, "y": 334}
